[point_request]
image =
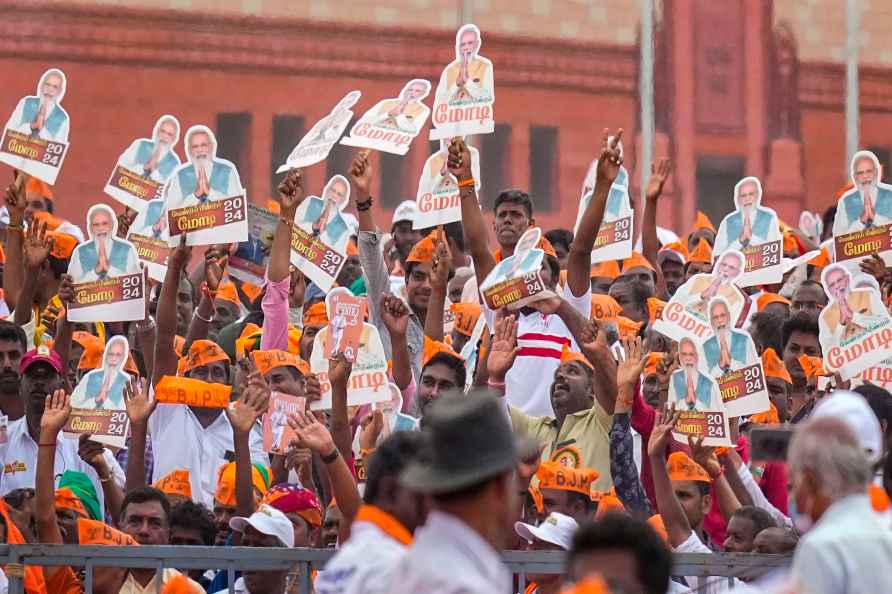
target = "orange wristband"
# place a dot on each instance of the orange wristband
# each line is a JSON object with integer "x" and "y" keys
{"x": 467, "y": 182}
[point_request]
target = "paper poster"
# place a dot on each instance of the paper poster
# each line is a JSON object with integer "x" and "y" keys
{"x": 148, "y": 234}
{"x": 855, "y": 329}
{"x": 394, "y": 419}
{"x": 515, "y": 281}
{"x": 393, "y": 124}
{"x": 97, "y": 402}
{"x": 731, "y": 359}
{"x": 614, "y": 239}
{"x": 878, "y": 375}
{"x": 204, "y": 197}
{"x": 108, "y": 279}
{"x": 143, "y": 169}
{"x": 277, "y": 434}
{"x": 687, "y": 313}
{"x": 697, "y": 395}
{"x": 318, "y": 142}
{"x": 368, "y": 381}
{"x": 438, "y": 197}
{"x": 346, "y": 315}
{"x": 249, "y": 260}
{"x": 755, "y": 231}
{"x": 35, "y": 138}
{"x": 466, "y": 94}
{"x": 470, "y": 351}
{"x": 320, "y": 235}
{"x": 863, "y": 223}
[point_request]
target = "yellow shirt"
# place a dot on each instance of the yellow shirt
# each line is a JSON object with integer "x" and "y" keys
{"x": 587, "y": 431}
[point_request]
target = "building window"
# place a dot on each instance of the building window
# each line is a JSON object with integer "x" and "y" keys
{"x": 716, "y": 178}
{"x": 234, "y": 142}
{"x": 287, "y": 132}
{"x": 393, "y": 183}
{"x": 495, "y": 155}
{"x": 544, "y": 169}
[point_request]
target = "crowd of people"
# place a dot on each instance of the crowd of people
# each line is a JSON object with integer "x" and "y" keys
{"x": 553, "y": 434}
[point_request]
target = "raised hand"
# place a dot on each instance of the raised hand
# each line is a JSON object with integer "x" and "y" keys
{"x": 610, "y": 159}
{"x": 593, "y": 342}
{"x": 361, "y": 177}
{"x": 704, "y": 456}
{"x": 459, "y": 160}
{"x": 547, "y": 306}
{"x": 250, "y": 406}
{"x": 313, "y": 391}
{"x": 659, "y": 437}
{"x": 394, "y": 314}
{"x": 659, "y": 173}
{"x": 630, "y": 368}
{"x": 311, "y": 433}
{"x": 136, "y": 399}
{"x": 56, "y": 410}
{"x": 215, "y": 260}
{"x": 91, "y": 453}
{"x": 339, "y": 370}
{"x": 291, "y": 192}
{"x": 125, "y": 219}
{"x": 368, "y": 437}
{"x": 16, "y": 200}
{"x": 182, "y": 254}
{"x": 441, "y": 264}
{"x": 37, "y": 246}
{"x": 875, "y": 267}
{"x": 504, "y": 349}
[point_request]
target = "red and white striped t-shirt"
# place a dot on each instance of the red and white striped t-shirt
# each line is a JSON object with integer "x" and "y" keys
{"x": 541, "y": 339}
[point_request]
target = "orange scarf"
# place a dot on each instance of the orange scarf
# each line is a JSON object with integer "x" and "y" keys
{"x": 385, "y": 522}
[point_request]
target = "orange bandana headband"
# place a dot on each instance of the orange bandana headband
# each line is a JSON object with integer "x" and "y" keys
{"x": 766, "y": 299}
{"x": 813, "y": 366}
{"x": 567, "y": 356}
{"x": 553, "y": 475}
{"x": 774, "y": 367}
{"x": 604, "y": 307}
{"x": 175, "y": 483}
{"x": 66, "y": 499}
{"x": 682, "y": 468}
{"x": 636, "y": 260}
{"x": 316, "y": 315}
{"x": 94, "y": 532}
{"x": 434, "y": 347}
{"x": 609, "y": 269}
{"x": 201, "y": 353}
{"x": 268, "y": 360}
{"x": 702, "y": 222}
{"x": 702, "y": 253}
{"x": 466, "y": 316}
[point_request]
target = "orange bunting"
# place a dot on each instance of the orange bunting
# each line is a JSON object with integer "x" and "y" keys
{"x": 192, "y": 392}
{"x": 94, "y": 532}
{"x": 702, "y": 253}
{"x": 609, "y": 269}
{"x": 636, "y": 260}
{"x": 766, "y": 299}
{"x": 175, "y": 482}
{"x": 774, "y": 366}
{"x": 316, "y": 315}
{"x": 466, "y": 316}
{"x": 554, "y": 475}
{"x": 682, "y": 468}
{"x": 567, "y": 356}
{"x": 202, "y": 352}
{"x": 270, "y": 359}
{"x": 434, "y": 347}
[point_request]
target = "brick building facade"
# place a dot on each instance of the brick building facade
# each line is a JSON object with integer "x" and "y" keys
{"x": 742, "y": 87}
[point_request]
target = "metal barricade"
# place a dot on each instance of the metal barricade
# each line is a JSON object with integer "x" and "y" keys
{"x": 231, "y": 559}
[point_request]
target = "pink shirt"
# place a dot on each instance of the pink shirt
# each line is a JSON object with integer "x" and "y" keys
{"x": 275, "y": 315}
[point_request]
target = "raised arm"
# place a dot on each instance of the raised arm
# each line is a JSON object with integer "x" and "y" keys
{"x": 705, "y": 457}
{"x": 341, "y": 432}
{"x": 250, "y": 406}
{"x": 677, "y": 525}
{"x": 579, "y": 260}
{"x": 433, "y": 321}
{"x": 215, "y": 258}
{"x": 650, "y": 244}
{"x": 55, "y": 415}
{"x": 166, "y": 322}
{"x": 459, "y": 163}
{"x": 35, "y": 251}
{"x": 371, "y": 257}
{"x": 13, "y": 270}
{"x": 395, "y": 317}
{"x": 139, "y": 409}
{"x": 291, "y": 194}
{"x": 592, "y": 342}
{"x": 93, "y": 453}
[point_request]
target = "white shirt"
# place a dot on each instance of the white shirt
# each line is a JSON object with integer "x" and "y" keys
{"x": 19, "y": 456}
{"x": 363, "y": 564}
{"x": 179, "y": 441}
{"x": 541, "y": 339}
{"x": 703, "y": 585}
{"x": 448, "y": 557}
{"x": 849, "y": 551}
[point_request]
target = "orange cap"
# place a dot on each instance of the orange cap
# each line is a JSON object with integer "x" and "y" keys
{"x": 294, "y": 336}
{"x": 352, "y": 249}
{"x": 466, "y": 316}
{"x": 66, "y": 499}
{"x": 607, "y": 503}
{"x": 202, "y": 352}
{"x": 636, "y": 260}
{"x": 682, "y": 468}
{"x": 627, "y": 328}
{"x": 676, "y": 248}
{"x": 822, "y": 259}
{"x": 604, "y": 307}
{"x": 85, "y": 338}
{"x": 774, "y": 367}
{"x": 554, "y": 475}
{"x": 812, "y": 366}
{"x": 179, "y": 343}
{"x": 63, "y": 245}
{"x": 650, "y": 365}
{"x": 423, "y": 251}
{"x": 272, "y": 358}
{"x": 567, "y": 355}
{"x": 536, "y": 494}
{"x": 656, "y": 522}
{"x": 702, "y": 222}
{"x": 766, "y": 299}
{"x": 769, "y": 417}
{"x": 225, "y": 492}
{"x": 609, "y": 269}
{"x": 592, "y": 584}
{"x": 273, "y": 206}
{"x": 36, "y": 187}
{"x": 702, "y": 253}
{"x": 248, "y": 340}
{"x": 175, "y": 482}
{"x": 316, "y": 315}
{"x": 434, "y": 347}
{"x": 227, "y": 292}
{"x": 91, "y": 358}
{"x": 655, "y": 308}
{"x": 51, "y": 221}
{"x": 251, "y": 291}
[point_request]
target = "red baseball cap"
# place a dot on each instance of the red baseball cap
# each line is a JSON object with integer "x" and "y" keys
{"x": 41, "y": 353}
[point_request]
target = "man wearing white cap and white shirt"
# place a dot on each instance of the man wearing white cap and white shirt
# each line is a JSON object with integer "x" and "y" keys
{"x": 267, "y": 527}
{"x": 555, "y": 533}
{"x": 404, "y": 236}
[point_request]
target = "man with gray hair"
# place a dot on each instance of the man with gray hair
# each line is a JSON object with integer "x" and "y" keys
{"x": 849, "y": 546}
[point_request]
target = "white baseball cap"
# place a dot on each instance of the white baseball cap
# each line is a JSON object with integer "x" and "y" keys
{"x": 267, "y": 520}
{"x": 852, "y": 408}
{"x": 406, "y": 211}
{"x": 556, "y": 529}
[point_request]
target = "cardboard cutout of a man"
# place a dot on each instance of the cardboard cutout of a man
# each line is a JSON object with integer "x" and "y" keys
{"x": 103, "y": 388}
{"x": 850, "y": 312}
{"x": 869, "y": 203}
{"x": 728, "y": 349}
{"x": 206, "y": 177}
{"x": 154, "y": 158}
{"x": 751, "y": 223}
{"x": 41, "y": 115}
{"x": 694, "y": 390}
{"x": 105, "y": 255}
